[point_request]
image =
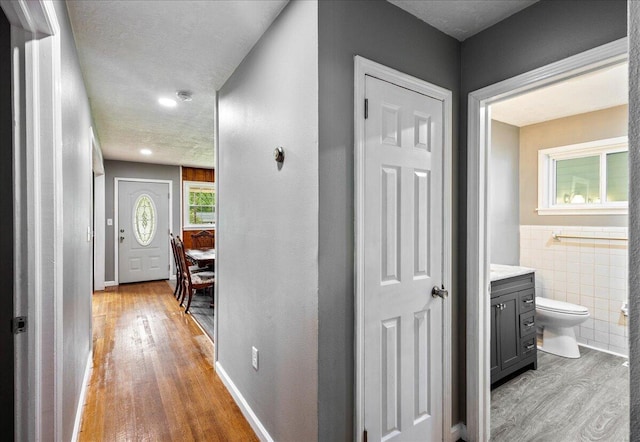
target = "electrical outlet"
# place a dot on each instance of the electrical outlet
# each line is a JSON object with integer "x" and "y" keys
{"x": 254, "y": 358}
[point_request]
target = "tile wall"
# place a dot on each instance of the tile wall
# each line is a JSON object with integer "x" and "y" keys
{"x": 588, "y": 272}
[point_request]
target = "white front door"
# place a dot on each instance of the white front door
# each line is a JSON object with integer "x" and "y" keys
{"x": 143, "y": 231}
{"x": 403, "y": 249}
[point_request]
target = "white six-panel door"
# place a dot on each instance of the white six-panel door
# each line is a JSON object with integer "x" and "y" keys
{"x": 403, "y": 249}
{"x": 143, "y": 231}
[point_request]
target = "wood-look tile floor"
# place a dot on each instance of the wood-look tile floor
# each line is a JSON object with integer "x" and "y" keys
{"x": 153, "y": 376}
{"x": 565, "y": 400}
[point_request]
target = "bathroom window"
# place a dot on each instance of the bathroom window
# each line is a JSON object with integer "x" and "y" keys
{"x": 584, "y": 179}
{"x": 199, "y": 204}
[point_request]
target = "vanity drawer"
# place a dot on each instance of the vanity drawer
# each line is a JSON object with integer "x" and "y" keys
{"x": 528, "y": 346}
{"x": 527, "y": 300}
{"x": 527, "y": 323}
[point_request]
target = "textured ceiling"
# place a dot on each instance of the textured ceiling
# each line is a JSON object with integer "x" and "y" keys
{"x": 587, "y": 93}
{"x": 462, "y": 18}
{"x": 133, "y": 52}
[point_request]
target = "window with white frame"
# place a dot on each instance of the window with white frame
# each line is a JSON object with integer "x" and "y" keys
{"x": 199, "y": 204}
{"x": 584, "y": 179}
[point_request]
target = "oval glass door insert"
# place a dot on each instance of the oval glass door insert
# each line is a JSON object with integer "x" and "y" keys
{"x": 144, "y": 220}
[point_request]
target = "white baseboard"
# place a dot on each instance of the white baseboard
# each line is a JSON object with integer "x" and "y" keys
{"x": 603, "y": 350}
{"x": 458, "y": 431}
{"x": 248, "y": 413}
{"x": 110, "y": 283}
{"x": 83, "y": 394}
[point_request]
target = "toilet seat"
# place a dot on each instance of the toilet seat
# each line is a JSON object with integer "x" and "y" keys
{"x": 551, "y": 305}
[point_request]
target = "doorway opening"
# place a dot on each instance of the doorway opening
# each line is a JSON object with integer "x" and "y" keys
{"x": 567, "y": 194}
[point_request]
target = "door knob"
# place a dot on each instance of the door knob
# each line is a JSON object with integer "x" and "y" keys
{"x": 121, "y": 238}
{"x": 439, "y": 292}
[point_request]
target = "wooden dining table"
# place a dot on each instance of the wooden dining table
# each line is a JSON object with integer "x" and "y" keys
{"x": 203, "y": 257}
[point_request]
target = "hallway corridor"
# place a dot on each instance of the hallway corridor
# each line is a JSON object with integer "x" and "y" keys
{"x": 153, "y": 376}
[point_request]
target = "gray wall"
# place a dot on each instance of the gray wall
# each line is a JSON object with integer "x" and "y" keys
{"x": 267, "y": 239}
{"x": 547, "y": 31}
{"x": 126, "y": 169}
{"x": 634, "y": 215}
{"x": 77, "y": 176}
{"x": 386, "y": 34}
{"x": 591, "y": 126}
{"x": 504, "y": 204}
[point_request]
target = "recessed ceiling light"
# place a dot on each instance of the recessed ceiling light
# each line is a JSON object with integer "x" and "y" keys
{"x": 145, "y": 151}
{"x": 167, "y": 102}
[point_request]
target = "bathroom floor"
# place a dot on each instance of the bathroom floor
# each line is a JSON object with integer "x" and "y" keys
{"x": 564, "y": 400}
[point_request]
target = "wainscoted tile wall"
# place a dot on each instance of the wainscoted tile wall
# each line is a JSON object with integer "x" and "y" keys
{"x": 589, "y": 272}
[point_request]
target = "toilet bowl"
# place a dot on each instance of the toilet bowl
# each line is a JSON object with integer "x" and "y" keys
{"x": 558, "y": 319}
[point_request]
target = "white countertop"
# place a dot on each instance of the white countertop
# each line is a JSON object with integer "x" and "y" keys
{"x": 499, "y": 271}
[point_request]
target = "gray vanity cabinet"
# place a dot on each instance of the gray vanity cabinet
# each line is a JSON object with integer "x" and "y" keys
{"x": 513, "y": 331}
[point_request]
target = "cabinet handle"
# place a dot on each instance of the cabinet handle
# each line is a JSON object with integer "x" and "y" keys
{"x": 530, "y": 324}
{"x": 530, "y": 346}
{"x": 528, "y": 301}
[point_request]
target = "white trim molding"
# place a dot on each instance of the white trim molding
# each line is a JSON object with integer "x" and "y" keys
{"x": 186, "y": 188}
{"x": 362, "y": 68}
{"x": 216, "y": 242}
{"x": 83, "y": 395}
{"x": 246, "y": 410}
{"x": 478, "y": 235}
{"x": 38, "y": 221}
{"x": 547, "y": 186}
{"x": 110, "y": 284}
{"x": 116, "y": 229}
{"x": 458, "y": 431}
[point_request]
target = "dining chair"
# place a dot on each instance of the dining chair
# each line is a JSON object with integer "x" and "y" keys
{"x": 192, "y": 280}
{"x": 176, "y": 245}
{"x": 202, "y": 240}
{"x": 178, "y": 290}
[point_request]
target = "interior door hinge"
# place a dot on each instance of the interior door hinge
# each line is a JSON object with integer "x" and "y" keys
{"x": 364, "y": 436}
{"x": 19, "y": 324}
{"x": 366, "y": 108}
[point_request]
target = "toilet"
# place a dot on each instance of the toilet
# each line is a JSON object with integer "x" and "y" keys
{"x": 558, "y": 319}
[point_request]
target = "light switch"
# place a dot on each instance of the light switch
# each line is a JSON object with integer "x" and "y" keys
{"x": 109, "y": 222}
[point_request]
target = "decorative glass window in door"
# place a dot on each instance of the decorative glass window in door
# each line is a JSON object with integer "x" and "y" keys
{"x": 144, "y": 220}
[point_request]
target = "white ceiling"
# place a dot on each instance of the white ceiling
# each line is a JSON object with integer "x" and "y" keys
{"x": 462, "y": 18}
{"x": 597, "y": 90}
{"x": 133, "y": 52}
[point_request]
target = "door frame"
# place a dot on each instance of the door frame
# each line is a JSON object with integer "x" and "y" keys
{"x": 362, "y": 68}
{"x": 116, "y": 227}
{"x": 38, "y": 220}
{"x": 478, "y": 234}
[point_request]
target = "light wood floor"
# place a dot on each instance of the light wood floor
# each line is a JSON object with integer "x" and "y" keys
{"x": 153, "y": 376}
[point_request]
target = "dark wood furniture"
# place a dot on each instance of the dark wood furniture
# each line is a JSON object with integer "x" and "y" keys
{"x": 513, "y": 328}
{"x": 191, "y": 280}
{"x": 176, "y": 261}
{"x": 202, "y": 257}
{"x": 202, "y": 240}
